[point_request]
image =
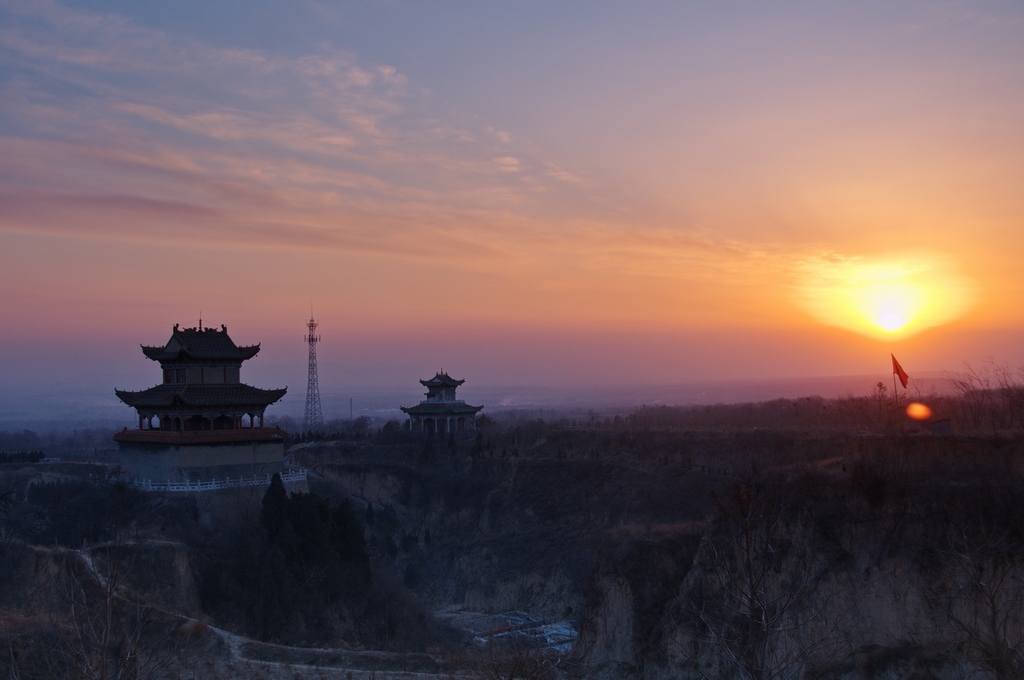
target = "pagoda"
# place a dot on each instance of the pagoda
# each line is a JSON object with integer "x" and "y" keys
{"x": 202, "y": 423}
{"x": 441, "y": 412}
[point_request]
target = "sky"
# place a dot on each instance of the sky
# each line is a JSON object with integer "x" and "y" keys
{"x": 530, "y": 193}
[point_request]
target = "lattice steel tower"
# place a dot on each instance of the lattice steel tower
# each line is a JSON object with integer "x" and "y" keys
{"x": 314, "y": 418}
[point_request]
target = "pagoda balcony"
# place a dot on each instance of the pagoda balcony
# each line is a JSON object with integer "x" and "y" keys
{"x": 171, "y": 438}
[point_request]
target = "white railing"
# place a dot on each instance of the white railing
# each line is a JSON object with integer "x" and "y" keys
{"x": 287, "y": 475}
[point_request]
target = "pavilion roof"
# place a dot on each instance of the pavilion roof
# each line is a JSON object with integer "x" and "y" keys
{"x": 201, "y": 344}
{"x": 442, "y": 379}
{"x": 432, "y": 408}
{"x": 200, "y": 395}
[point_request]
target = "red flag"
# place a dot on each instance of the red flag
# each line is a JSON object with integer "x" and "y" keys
{"x": 898, "y": 371}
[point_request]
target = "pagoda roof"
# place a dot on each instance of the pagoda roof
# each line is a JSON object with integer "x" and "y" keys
{"x": 440, "y": 408}
{"x": 442, "y": 379}
{"x": 200, "y": 343}
{"x": 200, "y": 395}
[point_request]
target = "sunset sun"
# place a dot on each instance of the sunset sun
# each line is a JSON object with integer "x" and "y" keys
{"x": 883, "y": 298}
{"x": 891, "y": 320}
{"x": 886, "y": 300}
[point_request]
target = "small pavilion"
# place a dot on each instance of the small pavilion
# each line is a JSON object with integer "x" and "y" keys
{"x": 441, "y": 412}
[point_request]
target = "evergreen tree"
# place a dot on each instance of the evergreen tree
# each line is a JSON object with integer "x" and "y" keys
{"x": 293, "y": 579}
{"x": 274, "y": 514}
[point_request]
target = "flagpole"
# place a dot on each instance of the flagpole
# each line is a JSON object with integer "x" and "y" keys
{"x": 895, "y": 395}
{"x": 897, "y": 370}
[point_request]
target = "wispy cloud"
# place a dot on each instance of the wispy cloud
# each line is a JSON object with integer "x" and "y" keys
{"x": 508, "y": 164}
{"x": 115, "y": 118}
{"x": 116, "y": 131}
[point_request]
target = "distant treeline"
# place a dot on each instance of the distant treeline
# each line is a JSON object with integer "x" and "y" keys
{"x": 989, "y": 401}
{"x": 335, "y": 428}
{"x": 805, "y": 413}
{"x": 26, "y": 440}
{"x": 73, "y": 443}
{"x": 23, "y": 457}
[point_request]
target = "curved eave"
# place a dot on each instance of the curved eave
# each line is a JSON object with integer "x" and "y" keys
{"x": 202, "y": 397}
{"x": 236, "y": 354}
{"x": 158, "y": 353}
{"x": 249, "y": 352}
{"x": 440, "y": 409}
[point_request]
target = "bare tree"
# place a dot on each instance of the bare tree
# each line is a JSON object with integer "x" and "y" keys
{"x": 751, "y": 610}
{"x": 1011, "y": 395}
{"x": 101, "y": 633}
{"x": 980, "y": 591}
{"x": 974, "y": 391}
{"x": 8, "y": 498}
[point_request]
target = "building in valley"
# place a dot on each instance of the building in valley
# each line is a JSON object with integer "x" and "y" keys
{"x": 202, "y": 423}
{"x": 441, "y": 412}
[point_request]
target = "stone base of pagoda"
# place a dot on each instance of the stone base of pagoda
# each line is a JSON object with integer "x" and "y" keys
{"x": 161, "y": 457}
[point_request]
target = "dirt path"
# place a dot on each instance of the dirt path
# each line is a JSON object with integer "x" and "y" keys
{"x": 276, "y": 660}
{"x": 237, "y": 656}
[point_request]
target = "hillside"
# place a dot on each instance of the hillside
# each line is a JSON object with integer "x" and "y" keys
{"x": 671, "y": 551}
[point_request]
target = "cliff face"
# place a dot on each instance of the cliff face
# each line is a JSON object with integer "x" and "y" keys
{"x": 756, "y": 555}
{"x": 862, "y": 572}
{"x": 611, "y": 628}
{"x": 511, "y": 528}
{"x": 159, "y": 571}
